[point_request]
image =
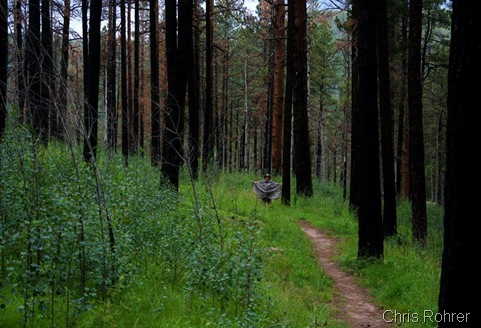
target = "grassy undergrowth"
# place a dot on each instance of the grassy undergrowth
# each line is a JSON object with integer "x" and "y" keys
{"x": 406, "y": 281}
{"x": 213, "y": 256}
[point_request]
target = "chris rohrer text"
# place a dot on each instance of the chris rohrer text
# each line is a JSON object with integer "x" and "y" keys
{"x": 426, "y": 316}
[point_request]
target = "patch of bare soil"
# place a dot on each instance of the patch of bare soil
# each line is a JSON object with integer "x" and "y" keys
{"x": 351, "y": 299}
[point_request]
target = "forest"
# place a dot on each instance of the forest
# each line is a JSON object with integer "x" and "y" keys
{"x": 132, "y": 134}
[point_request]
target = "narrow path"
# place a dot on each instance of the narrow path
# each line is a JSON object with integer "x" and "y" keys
{"x": 351, "y": 299}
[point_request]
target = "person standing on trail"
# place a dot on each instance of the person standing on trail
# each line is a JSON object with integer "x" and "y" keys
{"x": 266, "y": 189}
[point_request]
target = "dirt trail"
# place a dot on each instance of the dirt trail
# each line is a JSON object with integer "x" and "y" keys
{"x": 351, "y": 299}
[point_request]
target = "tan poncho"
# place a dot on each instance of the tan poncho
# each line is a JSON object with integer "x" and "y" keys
{"x": 266, "y": 189}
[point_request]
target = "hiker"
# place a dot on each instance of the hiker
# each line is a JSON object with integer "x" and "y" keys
{"x": 266, "y": 189}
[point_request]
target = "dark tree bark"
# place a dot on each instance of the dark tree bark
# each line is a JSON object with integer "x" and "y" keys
{"x": 142, "y": 105}
{"x": 208, "y": 111}
{"x": 130, "y": 90}
{"x": 136, "y": 107}
{"x": 20, "y": 73}
{"x": 154, "y": 86}
{"x": 123, "y": 83}
{"x": 369, "y": 211}
{"x": 319, "y": 148}
{"x": 345, "y": 122}
{"x": 85, "y": 40}
{"x": 279, "y": 20}
{"x": 458, "y": 273}
{"x": 177, "y": 52}
{"x": 244, "y": 154}
{"x": 355, "y": 119}
{"x": 302, "y": 142}
{"x": 91, "y": 77}
{"x": 112, "y": 119}
{"x": 130, "y": 79}
{"x": 3, "y": 64}
{"x": 288, "y": 99}
{"x": 63, "y": 86}
{"x": 194, "y": 94}
{"x": 416, "y": 137}
{"x": 47, "y": 83}
{"x": 38, "y": 115}
{"x": 387, "y": 121}
{"x": 402, "y": 105}
{"x": 225, "y": 102}
{"x": 438, "y": 198}
{"x": 269, "y": 49}
{"x": 345, "y": 151}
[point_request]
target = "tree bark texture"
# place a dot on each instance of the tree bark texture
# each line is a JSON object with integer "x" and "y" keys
{"x": 123, "y": 82}
{"x": 208, "y": 142}
{"x": 402, "y": 105}
{"x": 416, "y": 136}
{"x": 194, "y": 94}
{"x": 302, "y": 142}
{"x": 355, "y": 155}
{"x": 3, "y": 65}
{"x": 154, "y": 86}
{"x": 91, "y": 113}
{"x": 371, "y": 237}
{"x": 458, "y": 271}
{"x": 387, "y": 122}
{"x": 279, "y": 64}
{"x": 64, "y": 61}
{"x": 288, "y": 99}
{"x": 177, "y": 51}
{"x": 112, "y": 119}
{"x": 136, "y": 107}
{"x": 38, "y": 115}
{"x": 47, "y": 78}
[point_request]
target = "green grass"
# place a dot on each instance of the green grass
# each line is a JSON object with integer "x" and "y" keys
{"x": 226, "y": 259}
{"x": 406, "y": 280}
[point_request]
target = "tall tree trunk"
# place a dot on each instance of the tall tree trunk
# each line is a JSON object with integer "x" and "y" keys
{"x": 208, "y": 112}
{"x": 154, "y": 85}
{"x": 223, "y": 106}
{"x": 20, "y": 72}
{"x": 91, "y": 114}
{"x": 268, "y": 49}
{"x": 194, "y": 94}
{"x": 142, "y": 104}
{"x": 416, "y": 137}
{"x": 3, "y": 65}
{"x": 402, "y": 105}
{"x": 111, "y": 78}
{"x": 280, "y": 14}
{"x": 458, "y": 273}
{"x": 345, "y": 150}
{"x": 355, "y": 187}
{"x": 439, "y": 160}
{"x": 123, "y": 74}
{"x": 130, "y": 89}
{"x": 47, "y": 82}
{"x": 245, "y": 137}
{"x": 302, "y": 141}
{"x": 136, "y": 110}
{"x": 319, "y": 148}
{"x": 386, "y": 115}
{"x": 85, "y": 42}
{"x": 345, "y": 121}
{"x": 63, "y": 86}
{"x": 38, "y": 116}
{"x": 177, "y": 52}
{"x": 288, "y": 100}
{"x": 371, "y": 237}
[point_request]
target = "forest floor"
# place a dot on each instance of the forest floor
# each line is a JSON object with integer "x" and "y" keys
{"x": 352, "y": 300}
